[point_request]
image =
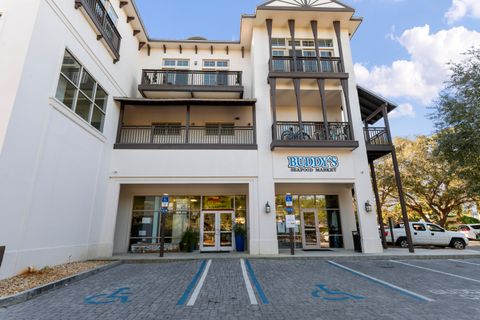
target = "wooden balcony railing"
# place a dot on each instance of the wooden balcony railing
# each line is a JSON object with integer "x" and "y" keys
{"x": 313, "y": 131}
{"x": 183, "y": 136}
{"x": 192, "y": 78}
{"x": 376, "y": 136}
{"x": 306, "y": 64}
{"x": 104, "y": 24}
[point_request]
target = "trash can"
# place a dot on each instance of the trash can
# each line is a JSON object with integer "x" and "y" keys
{"x": 357, "y": 245}
{"x": 2, "y": 252}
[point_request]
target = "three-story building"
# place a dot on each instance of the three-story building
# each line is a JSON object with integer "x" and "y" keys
{"x": 100, "y": 121}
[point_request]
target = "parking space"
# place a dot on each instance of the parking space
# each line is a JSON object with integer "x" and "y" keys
{"x": 267, "y": 289}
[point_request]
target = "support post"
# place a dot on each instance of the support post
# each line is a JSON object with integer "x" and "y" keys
{"x": 120, "y": 122}
{"x": 296, "y": 85}
{"x": 379, "y": 206}
{"x": 321, "y": 87}
{"x": 254, "y": 119}
{"x": 345, "y": 88}
{"x": 187, "y": 125}
{"x": 291, "y": 25}
{"x": 336, "y": 26}
{"x": 398, "y": 180}
{"x": 162, "y": 233}
{"x": 273, "y": 105}
{"x": 269, "y": 30}
{"x": 292, "y": 242}
{"x": 390, "y": 224}
{"x": 314, "y": 25}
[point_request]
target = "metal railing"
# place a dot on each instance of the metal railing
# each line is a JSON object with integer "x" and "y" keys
{"x": 338, "y": 131}
{"x": 306, "y": 64}
{"x": 99, "y": 15}
{"x": 194, "y": 135}
{"x": 376, "y": 136}
{"x": 192, "y": 78}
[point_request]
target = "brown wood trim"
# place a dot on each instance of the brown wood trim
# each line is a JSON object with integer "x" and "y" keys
{"x": 346, "y": 93}
{"x": 296, "y": 86}
{"x": 336, "y": 26}
{"x": 351, "y": 145}
{"x": 291, "y": 26}
{"x": 123, "y": 4}
{"x": 323, "y": 100}
{"x": 308, "y": 75}
{"x": 120, "y": 121}
{"x": 269, "y": 23}
{"x": 273, "y": 104}
{"x": 119, "y": 146}
{"x": 157, "y": 88}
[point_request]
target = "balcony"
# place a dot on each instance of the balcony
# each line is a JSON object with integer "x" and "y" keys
{"x": 191, "y": 84}
{"x": 103, "y": 25}
{"x": 288, "y": 134}
{"x": 377, "y": 141}
{"x": 307, "y": 67}
{"x": 183, "y": 137}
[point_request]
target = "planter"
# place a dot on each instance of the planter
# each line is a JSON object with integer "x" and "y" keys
{"x": 240, "y": 242}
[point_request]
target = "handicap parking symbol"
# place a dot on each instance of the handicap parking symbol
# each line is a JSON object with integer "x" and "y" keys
{"x": 324, "y": 293}
{"x": 120, "y": 295}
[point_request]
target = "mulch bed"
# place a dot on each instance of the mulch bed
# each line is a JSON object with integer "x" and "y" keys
{"x": 30, "y": 279}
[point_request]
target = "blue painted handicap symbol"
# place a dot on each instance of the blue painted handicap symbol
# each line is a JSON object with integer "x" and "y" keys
{"x": 324, "y": 293}
{"x": 120, "y": 295}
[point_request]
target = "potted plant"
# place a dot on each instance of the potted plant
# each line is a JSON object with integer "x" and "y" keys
{"x": 240, "y": 233}
{"x": 189, "y": 240}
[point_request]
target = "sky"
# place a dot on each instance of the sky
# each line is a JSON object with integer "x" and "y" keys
{"x": 401, "y": 51}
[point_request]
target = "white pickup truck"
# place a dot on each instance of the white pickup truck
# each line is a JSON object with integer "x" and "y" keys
{"x": 427, "y": 234}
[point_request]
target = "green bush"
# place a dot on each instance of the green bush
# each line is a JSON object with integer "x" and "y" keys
{"x": 189, "y": 240}
{"x": 239, "y": 229}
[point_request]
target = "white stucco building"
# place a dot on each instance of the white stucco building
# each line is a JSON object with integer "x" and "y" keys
{"x": 98, "y": 121}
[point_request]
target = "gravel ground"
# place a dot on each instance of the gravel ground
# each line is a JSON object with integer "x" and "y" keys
{"x": 35, "y": 278}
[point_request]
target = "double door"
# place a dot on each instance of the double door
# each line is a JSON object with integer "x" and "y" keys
{"x": 216, "y": 230}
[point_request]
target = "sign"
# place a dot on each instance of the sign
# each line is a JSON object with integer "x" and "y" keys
{"x": 288, "y": 200}
{"x": 290, "y": 221}
{"x": 313, "y": 163}
{"x": 165, "y": 201}
{"x": 146, "y": 220}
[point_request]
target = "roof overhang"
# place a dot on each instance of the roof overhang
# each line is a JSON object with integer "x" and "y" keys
{"x": 370, "y": 102}
{"x": 184, "y": 102}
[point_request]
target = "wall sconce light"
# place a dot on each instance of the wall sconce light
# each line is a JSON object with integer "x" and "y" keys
{"x": 267, "y": 208}
{"x": 368, "y": 206}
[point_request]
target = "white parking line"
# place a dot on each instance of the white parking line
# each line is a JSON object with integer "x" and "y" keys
{"x": 248, "y": 284}
{"x": 437, "y": 271}
{"x": 383, "y": 283}
{"x": 199, "y": 286}
{"x": 465, "y": 262}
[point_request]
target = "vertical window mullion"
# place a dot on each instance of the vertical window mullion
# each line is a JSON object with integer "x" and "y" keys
{"x": 92, "y": 106}
{"x": 77, "y": 91}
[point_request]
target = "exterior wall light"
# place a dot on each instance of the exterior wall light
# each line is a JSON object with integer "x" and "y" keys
{"x": 267, "y": 208}
{"x": 368, "y": 206}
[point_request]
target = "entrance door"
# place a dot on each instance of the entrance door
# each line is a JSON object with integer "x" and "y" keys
{"x": 216, "y": 232}
{"x": 310, "y": 232}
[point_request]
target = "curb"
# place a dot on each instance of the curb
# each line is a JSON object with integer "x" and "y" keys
{"x": 34, "y": 292}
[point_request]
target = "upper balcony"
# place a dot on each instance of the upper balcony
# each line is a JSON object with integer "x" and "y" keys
{"x": 307, "y": 67}
{"x": 103, "y": 25}
{"x": 191, "y": 84}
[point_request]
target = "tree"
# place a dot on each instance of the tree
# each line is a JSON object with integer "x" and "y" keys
{"x": 457, "y": 120}
{"x": 431, "y": 191}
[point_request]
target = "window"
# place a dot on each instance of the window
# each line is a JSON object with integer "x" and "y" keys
{"x": 224, "y": 129}
{"x": 435, "y": 228}
{"x": 326, "y": 43}
{"x": 111, "y": 11}
{"x": 277, "y": 42}
{"x": 79, "y": 91}
{"x": 220, "y": 64}
{"x": 418, "y": 227}
{"x": 179, "y": 63}
{"x": 308, "y": 43}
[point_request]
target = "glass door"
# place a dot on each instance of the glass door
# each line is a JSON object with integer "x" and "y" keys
{"x": 216, "y": 232}
{"x": 310, "y": 232}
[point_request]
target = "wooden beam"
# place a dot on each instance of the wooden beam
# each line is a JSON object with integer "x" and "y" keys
{"x": 291, "y": 26}
{"x": 243, "y": 52}
{"x": 180, "y": 48}
{"x": 141, "y": 45}
{"x": 273, "y": 105}
{"x": 321, "y": 87}
{"x": 123, "y": 4}
{"x": 346, "y": 93}
{"x": 314, "y": 25}
{"x": 336, "y": 26}
{"x": 120, "y": 121}
{"x": 148, "y": 49}
{"x": 226, "y": 50}
{"x": 296, "y": 85}
{"x": 196, "y": 49}
{"x": 211, "y": 49}
{"x": 164, "y": 49}
{"x": 129, "y": 19}
{"x": 135, "y": 32}
{"x": 269, "y": 23}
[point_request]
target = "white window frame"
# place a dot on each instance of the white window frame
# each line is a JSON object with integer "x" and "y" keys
{"x": 216, "y": 67}
{"x": 176, "y": 66}
{"x": 78, "y": 91}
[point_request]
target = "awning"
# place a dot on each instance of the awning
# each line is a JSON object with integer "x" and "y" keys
{"x": 370, "y": 102}
{"x": 184, "y": 102}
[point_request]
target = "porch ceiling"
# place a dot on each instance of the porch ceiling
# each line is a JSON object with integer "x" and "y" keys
{"x": 370, "y": 102}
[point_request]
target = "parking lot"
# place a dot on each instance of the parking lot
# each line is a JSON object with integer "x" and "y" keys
{"x": 267, "y": 289}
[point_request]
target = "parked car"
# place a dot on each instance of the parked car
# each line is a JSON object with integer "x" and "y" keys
{"x": 471, "y": 231}
{"x": 428, "y": 234}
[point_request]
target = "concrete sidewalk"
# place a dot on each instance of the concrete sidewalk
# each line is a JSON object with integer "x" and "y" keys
{"x": 342, "y": 254}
